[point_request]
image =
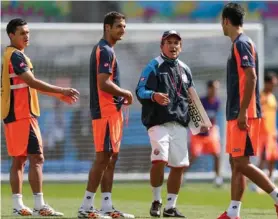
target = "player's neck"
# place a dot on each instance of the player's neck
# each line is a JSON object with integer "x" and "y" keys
{"x": 235, "y": 33}
{"x": 17, "y": 47}
{"x": 109, "y": 40}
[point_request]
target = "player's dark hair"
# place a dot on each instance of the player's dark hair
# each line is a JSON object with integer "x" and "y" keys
{"x": 268, "y": 78}
{"x": 235, "y": 13}
{"x": 110, "y": 18}
{"x": 211, "y": 83}
{"x": 13, "y": 24}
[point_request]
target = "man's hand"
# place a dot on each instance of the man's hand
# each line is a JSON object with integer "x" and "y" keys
{"x": 128, "y": 97}
{"x": 242, "y": 120}
{"x": 69, "y": 95}
{"x": 70, "y": 92}
{"x": 161, "y": 98}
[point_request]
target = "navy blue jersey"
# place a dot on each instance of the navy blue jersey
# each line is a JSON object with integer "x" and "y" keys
{"x": 103, "y": 61}
{"x": 243, "y": 55}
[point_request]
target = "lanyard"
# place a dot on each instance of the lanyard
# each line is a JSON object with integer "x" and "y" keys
{"x": 175, "y": 84}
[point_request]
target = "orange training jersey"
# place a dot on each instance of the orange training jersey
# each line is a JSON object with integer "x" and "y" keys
{"x": 18, "y": 100}
{"x": 243, "y": 55}
{"x": 103, "y": 60}
{"x": 269, "y": 107}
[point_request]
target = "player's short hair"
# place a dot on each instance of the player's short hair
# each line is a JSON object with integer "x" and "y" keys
{"x": 235, "y": 13}
{"x": 110, "y": 18}
{"x": 268, "y": 78}
{"x": 13, "y": 24}
{"x": 212, "y": 83}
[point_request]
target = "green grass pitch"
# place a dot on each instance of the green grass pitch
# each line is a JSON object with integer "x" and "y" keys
{"x": 196, "y": 200}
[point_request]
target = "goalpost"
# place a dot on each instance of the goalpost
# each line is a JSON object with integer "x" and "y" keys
{"x": 60, "y": 53}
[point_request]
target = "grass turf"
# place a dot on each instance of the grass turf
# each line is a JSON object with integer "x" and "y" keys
{"x": 196, "y": 200}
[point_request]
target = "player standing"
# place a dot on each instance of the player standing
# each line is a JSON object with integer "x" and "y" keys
{"x": 209, "y": 142}
{"x": 106, "y": 100}
{"x": 19, "y": 112}
{"x": 268, "y": 150}
{"x": 163, "y": 92}
{"x": 243, "y": 111}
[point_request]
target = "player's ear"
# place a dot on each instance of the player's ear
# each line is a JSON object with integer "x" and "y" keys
{"x": 226, "y": 21}
{"x": 107, "y": 27}
{"x": 11, "y": 35}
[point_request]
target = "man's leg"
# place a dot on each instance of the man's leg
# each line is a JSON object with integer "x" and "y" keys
{"x": 178, "y": 161}
{"x": 258, "y": 177}
{"x": 16, "y": 180}
{"x": 95, "y": 175}
{"x": 35, "y": 178}
{"x": 107, "y": 184}
{"x": 156, "y": 179}
{"x": 173, "y": 186}
{"x": 238, "y": 185}
{"x": 254, "y": 174}
{"x": 218, "y": 177}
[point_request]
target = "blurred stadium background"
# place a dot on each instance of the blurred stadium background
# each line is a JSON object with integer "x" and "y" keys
{"x": 62, "y": 57}
{"x": 60, "y": 48}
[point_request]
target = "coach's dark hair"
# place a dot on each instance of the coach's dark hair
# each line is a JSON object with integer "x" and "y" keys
{"x": 13, "y": 24}
{"x": 268, "y": 78}
{"x": 110, "y": 18}
{"x": 235, "y": 13}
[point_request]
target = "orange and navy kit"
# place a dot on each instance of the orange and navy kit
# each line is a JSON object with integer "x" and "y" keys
{"x": 242, "y": 142}
{"x": 106, "y": 113}
{"x": 209, "y": 142}
{"x": 268, "y": 137}
{"x": 19, "y": 106}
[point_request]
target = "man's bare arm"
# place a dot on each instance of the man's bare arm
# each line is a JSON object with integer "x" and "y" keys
{"x": 108, "y": 86}
{"x": 249, "y": 87}
{"x": 37, "y": 84}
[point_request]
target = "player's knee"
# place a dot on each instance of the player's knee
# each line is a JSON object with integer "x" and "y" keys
{"x": 240, "y": 164}
{"x": 19, "y": 162}
{"x": 114, "y": 158}
{"x": 36, "y": 159}
{"x": 158, "y": 164}
{"x": 102, "y": 162}
{"x": 178, "y": 170}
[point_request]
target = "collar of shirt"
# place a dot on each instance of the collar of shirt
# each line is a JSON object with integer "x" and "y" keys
{"x": 171, "y": 61}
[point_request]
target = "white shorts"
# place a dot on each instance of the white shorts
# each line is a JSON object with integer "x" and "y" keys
{"x": 169, "y": 144}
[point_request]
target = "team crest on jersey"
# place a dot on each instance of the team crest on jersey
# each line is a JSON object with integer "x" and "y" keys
{"x": 106, "y": 64}
{"x": 22, "y": 64}
{"x": 245, "y": 57}
{"x": 184, "y": 78}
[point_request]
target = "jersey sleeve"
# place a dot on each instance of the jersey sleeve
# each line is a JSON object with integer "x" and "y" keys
{"x": 19, "y": 63}
{"x": 147, "y": 83}
{"x": 105, "y": 61}
{"x": 246, "y": 55}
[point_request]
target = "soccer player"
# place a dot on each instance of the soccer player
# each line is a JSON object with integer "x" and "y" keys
{"x": 19, "y": 112}
{"x": 163, "y": 92}
{"x": 209, "y": 142}
{"x": 106, "y": 100}
{"x": 243, "y": 111}
{"x": 268, "y": 150}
